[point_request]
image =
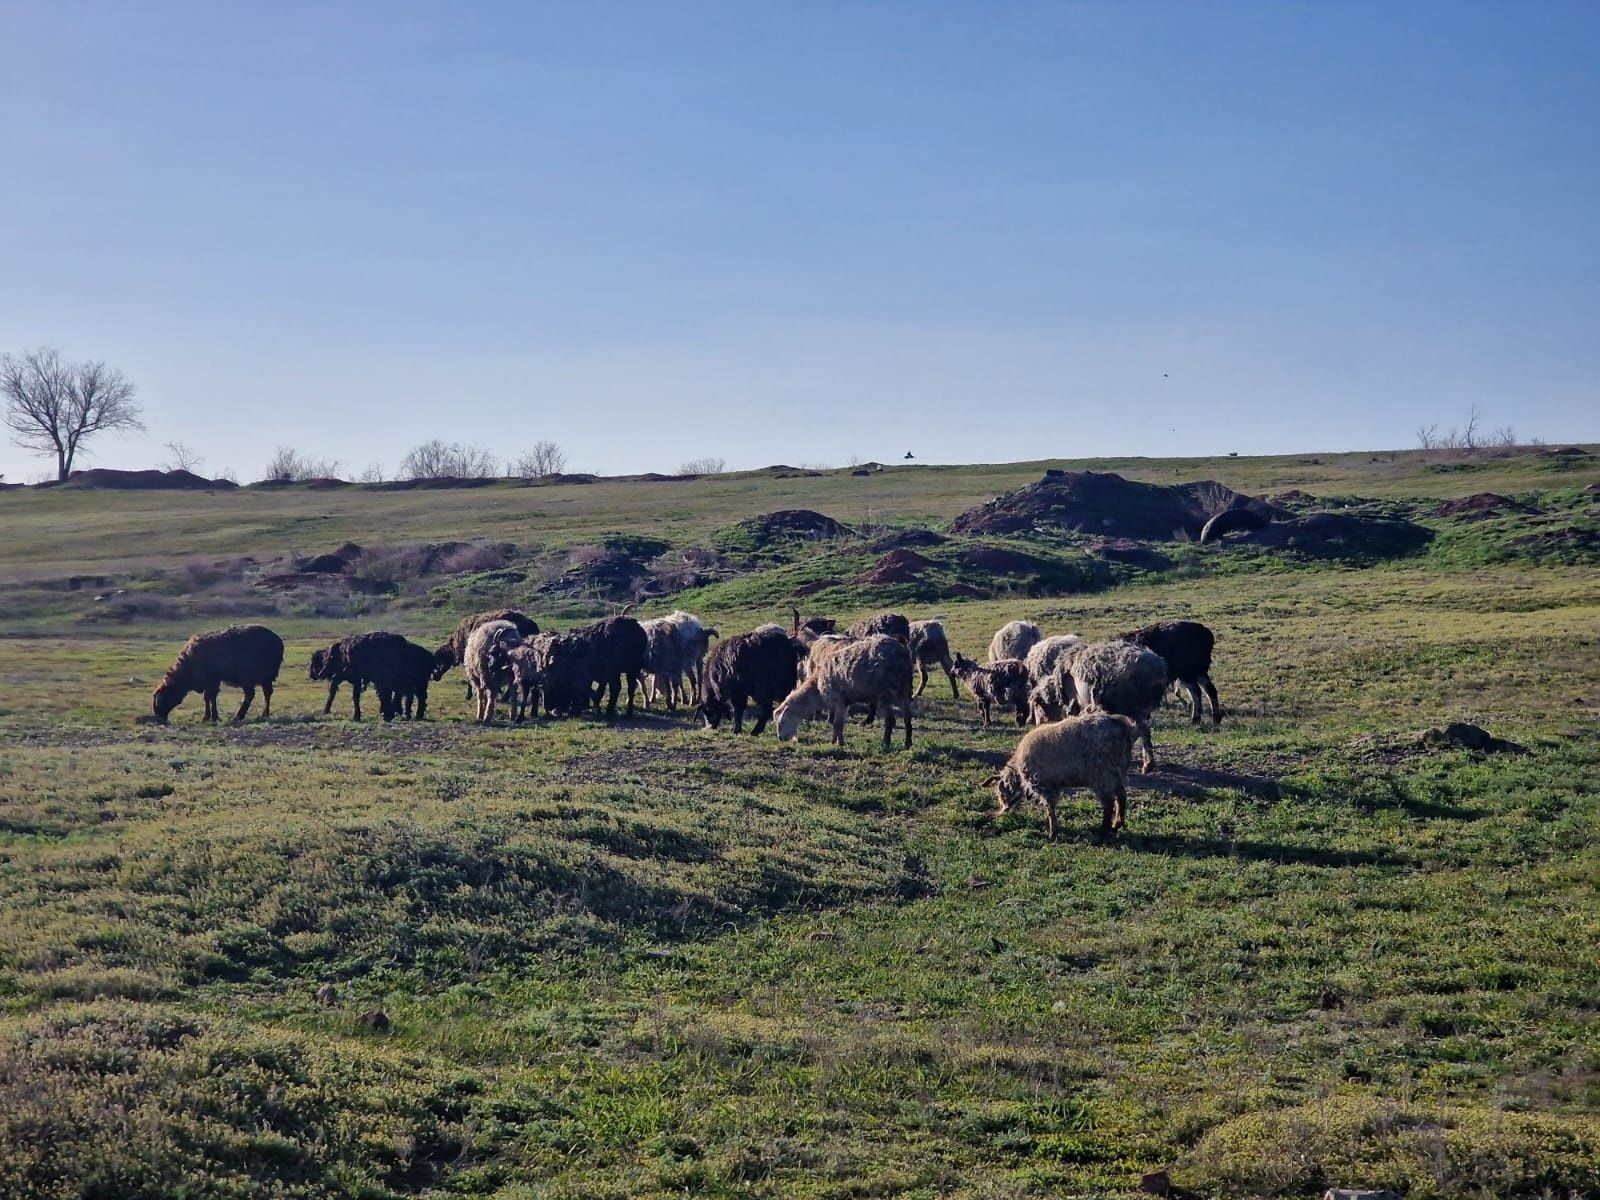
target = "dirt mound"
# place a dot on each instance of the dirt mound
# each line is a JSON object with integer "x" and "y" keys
{"x": 1340, "y": 535}
{"x": 1564, "y": 452}
{"x": 792, "y": 523}
{"x": 1105, "y": 503}
{"x": 898, "y": 566}
{"x": 610, "y": 576}
{"x": 1126, "y": 550}
{"x": 1292, "y": 497}
{"x": 965, "y": 591}
{"x": 815, "y": 586}
{"x": 324, "y": 564}
{"x": 444, "y": 482}
{"x": 1480, "y": 506}
{"x": 145, "y": 481}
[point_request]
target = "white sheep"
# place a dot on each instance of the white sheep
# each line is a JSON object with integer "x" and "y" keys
{"x": 1119, "y": 677}
{"x": 487, "y": 664}
{"x": 676, "y": 646}
{"x": 872, "y": 670}
{"x": 1013, "y": 640}
{"x": 1044, "y": 657}
{"x": 1091, "y": 751}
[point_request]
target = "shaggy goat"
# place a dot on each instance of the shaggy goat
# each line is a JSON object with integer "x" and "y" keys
{"x": 452, "y": 653}
{"x": 1186, "y": 647}
{"x": 874, "y": 670}
{"x": 398, "y": 671}
{"x": 565, "y": 668}
{"x": 1119, "y": 677}
{"x": 930, "y": 646}
{"x": 1002, "y": 684}
{"x": 617, "y": 647}
{"x": 1091, "y": 751}
{"x": 757, "y": 668}
{"x": 487, "y": 662}
{"x": 1048, "y": 655}
{"x": 242, "y": 656}
{"x": 1013, "y": 640}
{"x": 889, "y": 624}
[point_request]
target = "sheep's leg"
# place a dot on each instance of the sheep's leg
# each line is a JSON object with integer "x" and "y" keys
{"x": 1211, "y": 691}
{"x": 1050, "y": 818}
{"x": 1148, "y": 748}
{"x": 888, "y": 726}
{"x": 266, "y": 694}
{"x": 839, "y": 717}
{"x": 1022, "y": 713}
{"x": 1107, "y": 812}
{"x": 1195, "y": 709}
{"x": 738, "y": 715}
{"x": 333, "y": 690}
{"x": 950, "y": 674}
{"x": 922, "y": 667}
{"x": 633, "y": 686}
{"x": 249, "y": 697}
{"x": 356, "y": 687}
{"x": 211, "y": 703}
{"x": 905, "y": 715}
{"x": 983, "y": 708}
{"x": 763, "y": 715}
{"x": 422, "y": 701}
{"x": 1122, "y": 805}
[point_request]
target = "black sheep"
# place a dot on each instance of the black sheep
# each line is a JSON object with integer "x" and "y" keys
{"x": 757, "y": 668}
{"x": 617, "y": 649}
{"x": 398, "y": 670}
{"x": 1186, "y": 647}
{"x": 242, "y": 656}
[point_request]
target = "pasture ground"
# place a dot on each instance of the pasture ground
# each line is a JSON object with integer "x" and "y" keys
{"x": 648, "y": 960}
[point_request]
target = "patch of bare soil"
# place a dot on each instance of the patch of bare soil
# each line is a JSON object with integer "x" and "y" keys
{"x": 1480, "y": 507}
{"x": 898, "y": 566}
{"x": 109, "y": 478}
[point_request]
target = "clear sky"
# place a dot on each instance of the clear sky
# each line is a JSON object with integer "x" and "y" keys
{"x": 780, "y": 232}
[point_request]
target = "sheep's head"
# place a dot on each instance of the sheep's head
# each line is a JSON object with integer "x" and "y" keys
{"x": 714, "y": 712}
{"x": 803, "y": 702}
{"x": 962, "y": 665}
{"x": 1007, "y": 787}
{"x": 443, "y": 659}
{"x": 166, "y": 698}
{"x": 319, "y": 665}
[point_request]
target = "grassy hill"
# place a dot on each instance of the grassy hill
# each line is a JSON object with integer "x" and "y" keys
{"x": 649, "y": 960}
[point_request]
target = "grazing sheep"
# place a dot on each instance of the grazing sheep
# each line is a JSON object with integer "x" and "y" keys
{"x": 242, "y": 656}
{"x": 759, "y": 667}
{"x": 1119, "y": 677}
{"x": 888, "y": 624}
{"x": 452, "y": 653}
{"x": 397, "y": 669}
{"x": 1186, "y": 647}
{"x": 487, "y": 663}
{"x": 676, "y": 646}
{"x": 1046, "y": 656}
{"x": 617, "y": 647}
{"x": 565, "y": 666}
{"x": 1002, "y": 684}
{"x": 1013, "y": 640}
{"x": 874, "y": 670}
{"x": 1091, "y": 751}
{"x": 929, "y": 645}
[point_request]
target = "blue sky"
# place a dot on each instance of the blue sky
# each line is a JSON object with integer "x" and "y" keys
{"x": 804, "y": 232}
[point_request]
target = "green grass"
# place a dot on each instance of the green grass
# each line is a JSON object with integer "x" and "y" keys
{"x": 647, "y": 960}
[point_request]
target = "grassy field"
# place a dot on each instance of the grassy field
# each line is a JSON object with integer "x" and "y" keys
{"x": 650, "y": 960}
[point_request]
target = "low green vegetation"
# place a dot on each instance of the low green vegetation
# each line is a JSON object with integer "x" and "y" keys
{"x": 649, "y": 960}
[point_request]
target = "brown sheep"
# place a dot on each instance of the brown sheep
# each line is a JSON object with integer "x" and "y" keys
{"x": 874, "y": 670}
{"x": 1002, "y": 684}
{"x": 889, "y": 624}
{"x": 242, "y": 656}
{"x": 930, "y": 646}
{"x": 451, "y": 653}
{"x": 1092, "y": 751}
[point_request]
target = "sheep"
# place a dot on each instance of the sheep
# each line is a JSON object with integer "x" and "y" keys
{"x": 1013, "y": 640}
{"x": 694, "y": 636}
{"x": 242, "y": 656}
{"x": 451, "y": 653}
{"x": 564, "y": 664}
{"x": 1002, "y": 684}
{"x": 488, "y": 663}
{"x": 525, "y": 679}
{"x": 398, "y": 671}
{"x": 1121, "y": 678}
{"x": 1046, "y": 656}
{"x": 1052, "y": 698}
{"x": 929, "y": 645}
{"x": 759, "y": 667}
{"x": 617, "y": 646}
{"x": 1186, "y": 647}
{"x": 873, "y": 670}
{"x": 1092, "y": 751}
{"x": 890, "y": 624}
{"x": 676, "y": 647}
{"x": 811, "y": 628}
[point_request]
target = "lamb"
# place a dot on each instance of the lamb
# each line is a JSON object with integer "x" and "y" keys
{"x": 242, "y": 656}
{"x": 487, "y": 663}
{"x": 1046, "y": 656}
{"x": 694, "y": 637}
{"x": 525, "y": 680}
{"x": 1002, "y": 684}
{"x": 397, "y": 669}
{"x": 873, "y": 670}
{"x": 451, "y": 653}
{"x": 1121, "y": 678}
{"x": 929, "y": 645}
{"x": 757, "y": 668}
{"x": 1013, "y": 640}
{"x": 1052, "y": 698}
{"x": 890, "y": 624}
{"x": 1092, "y": 751}
{"x": 1186, "y": 648}
{"x": 617, "y": 647}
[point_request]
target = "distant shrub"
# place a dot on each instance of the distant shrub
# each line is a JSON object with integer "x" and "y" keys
{"x": 472, "y": 558}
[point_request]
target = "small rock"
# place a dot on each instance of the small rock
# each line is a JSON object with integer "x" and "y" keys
{"x": 1155, "y": 1183}
{"x": 977, "y": 883}
{"x": 374, "y": 1018}
{"x": 327, "y": 995}
{"x": 1060, "y": 1006}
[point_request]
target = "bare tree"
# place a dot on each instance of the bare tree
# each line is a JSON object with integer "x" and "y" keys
{"x": 545, "y": 459}
{"x": 373, "y": 473}
{"x": 709, "y": 465}
{"x": 1469, "y": 435}
{"x": 1428, "y": 436}
{"x": 1504, "y": 436}
{"x": 288, "y": 464}
{"x": 53, "y": 407}
{"x": 448, "y": 460}
{"x": 182, "y": 458}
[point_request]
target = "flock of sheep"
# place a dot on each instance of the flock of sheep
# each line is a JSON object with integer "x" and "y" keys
{"x": 1089, "y": 702}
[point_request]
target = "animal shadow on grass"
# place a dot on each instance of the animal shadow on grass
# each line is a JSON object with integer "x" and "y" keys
{"x": 1394, "y": 796}
{"x": 1181, "y": 845}
{"x": 1194, "y": 782}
